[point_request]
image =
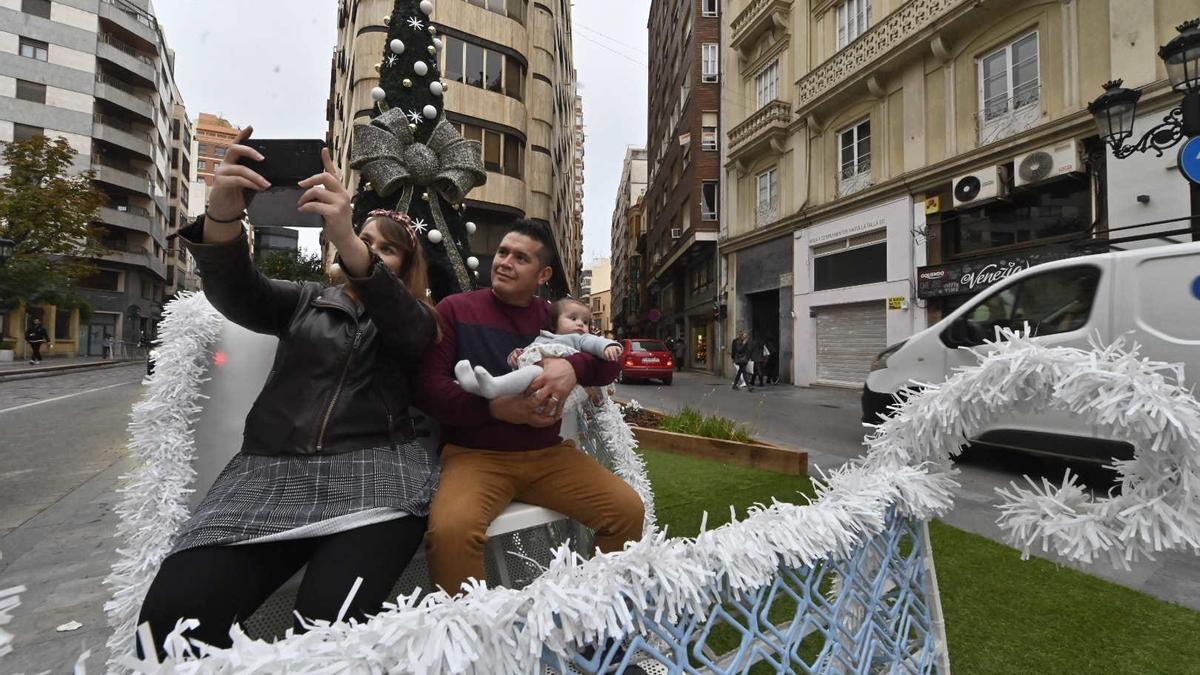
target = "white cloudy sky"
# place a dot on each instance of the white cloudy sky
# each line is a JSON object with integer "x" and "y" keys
{"x": 266, "y": 63}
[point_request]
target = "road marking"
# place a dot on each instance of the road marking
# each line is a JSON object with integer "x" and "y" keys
{"x": 60, "y": 398}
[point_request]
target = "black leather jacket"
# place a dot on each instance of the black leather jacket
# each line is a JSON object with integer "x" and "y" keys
{"x": 341, "y": 379}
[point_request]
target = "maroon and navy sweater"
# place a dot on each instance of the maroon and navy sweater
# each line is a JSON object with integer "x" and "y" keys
{"x": 478, "y": 327}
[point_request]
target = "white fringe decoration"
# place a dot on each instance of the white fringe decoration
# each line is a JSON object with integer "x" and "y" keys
{"x": 10, "y": 599}
{"x": 580, "y": 601}
{"x": 619, "y": 441}
{"x": 154, "y": 502}
{"x": 1133, "y": 399}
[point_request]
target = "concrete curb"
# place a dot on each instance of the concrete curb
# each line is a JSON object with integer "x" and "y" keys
{"x": 50, "y": 371}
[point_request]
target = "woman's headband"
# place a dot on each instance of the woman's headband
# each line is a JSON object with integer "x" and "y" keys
{"x": 401, "y": 218}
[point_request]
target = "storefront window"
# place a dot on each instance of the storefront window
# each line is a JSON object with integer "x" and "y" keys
{"x": 1057, "y": 209}
{"x": 62, "y": 324}
{"x": 855, "y": 267}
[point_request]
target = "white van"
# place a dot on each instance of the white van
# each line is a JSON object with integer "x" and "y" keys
{"x": 1150, "y": 296}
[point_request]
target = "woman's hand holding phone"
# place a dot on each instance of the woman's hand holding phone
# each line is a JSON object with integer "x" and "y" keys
{"x": 328, "y": 198}
{"x": 226, "y": 201}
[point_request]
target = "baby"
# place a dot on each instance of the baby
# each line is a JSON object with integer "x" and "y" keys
{"x": 570, "y": 319}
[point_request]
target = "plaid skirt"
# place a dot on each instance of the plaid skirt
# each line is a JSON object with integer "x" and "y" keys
{"x": 258, "y": 496}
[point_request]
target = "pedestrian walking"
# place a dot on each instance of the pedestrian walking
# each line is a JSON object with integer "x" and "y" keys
{"x": 330, "y": 474}
{"x": 680, "y": 350}
{"x": 740, "y": 351}
{"x": 36, "y": 337}
{"x": 758, "y": 362}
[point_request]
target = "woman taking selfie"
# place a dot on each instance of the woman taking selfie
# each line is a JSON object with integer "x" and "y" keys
{"x": 329, "y": 474}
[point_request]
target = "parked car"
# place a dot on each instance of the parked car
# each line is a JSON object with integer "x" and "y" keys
{"x": 1147, "y": 296}
{"x": 646, "y": 359}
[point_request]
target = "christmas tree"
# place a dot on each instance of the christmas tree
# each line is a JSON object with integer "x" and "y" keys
{"x": 411, "y": 158}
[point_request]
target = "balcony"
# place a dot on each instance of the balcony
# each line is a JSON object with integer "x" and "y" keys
{"x": 765, "y": 130}
{"x": 130, "y": 19}
{"x": 119, "y": 132}
{"x": 126, "y": 253}
{"x": 760, "y": 17}
{"x": 1003, "y": 118}
{"x": 124, "y": 95}
{"x": 126, "y": 56}
{"x": 854, "y": 178}
{"x": 122, "y": 176}
{"x": 127, "y": 217}
{"x": 907, "y": 28}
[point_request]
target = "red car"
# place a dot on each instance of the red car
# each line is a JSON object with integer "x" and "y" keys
{"x": 646, "y": 359}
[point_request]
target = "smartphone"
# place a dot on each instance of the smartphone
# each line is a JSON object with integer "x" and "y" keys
{"x": 286, "y": 162}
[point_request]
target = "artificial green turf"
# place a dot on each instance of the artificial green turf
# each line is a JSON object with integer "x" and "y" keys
{"x": 1003, "y": 615}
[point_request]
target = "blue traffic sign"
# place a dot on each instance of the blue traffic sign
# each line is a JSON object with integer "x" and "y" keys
{"x": 1196, "y": 288}
{"x": 1189, "y": 159}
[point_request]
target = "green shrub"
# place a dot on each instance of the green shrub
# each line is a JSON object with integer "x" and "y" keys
{"x": 689, "y": 420}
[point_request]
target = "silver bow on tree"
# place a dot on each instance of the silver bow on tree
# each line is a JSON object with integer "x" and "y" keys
{"x": 449, "y": 166}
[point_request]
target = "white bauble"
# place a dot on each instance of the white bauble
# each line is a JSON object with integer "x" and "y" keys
{"x": 435, "y": 236}
{"x": 397, "y": 46}
{"x": 473, "y": 262}
{"x": 437, "y": 44}
{"x": 430, "y": 112}
{"x": 378, "y": 94}
{"x": 436, "y": 88}
{"x": 471, "y": 227}
{"x": 421, "y": 68}
{"x": 427, "y": 7}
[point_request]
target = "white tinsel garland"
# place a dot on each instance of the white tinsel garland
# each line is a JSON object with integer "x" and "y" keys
{"x": 154, "y": 505}
{"x": 1131, "y": 398}
{"x": 10, "y": 599}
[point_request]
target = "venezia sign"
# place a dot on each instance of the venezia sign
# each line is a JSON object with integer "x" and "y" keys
{"x": 972, "y": 276}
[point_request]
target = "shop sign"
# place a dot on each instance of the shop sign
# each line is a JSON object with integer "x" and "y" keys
{"x": 896, "y": 302}
{"x": 972, "y": 276}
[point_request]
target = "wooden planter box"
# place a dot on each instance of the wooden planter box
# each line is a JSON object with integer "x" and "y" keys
{"x": 754, "y": 455}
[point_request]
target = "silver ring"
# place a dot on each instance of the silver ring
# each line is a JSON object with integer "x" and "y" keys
{"x": 553, "y": 398}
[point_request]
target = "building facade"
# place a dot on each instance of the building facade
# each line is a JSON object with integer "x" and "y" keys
{"x": 682, "y": 203}
{"x": 627, "y": 236}
{"x": 887, "y": 159}
{"x": 99, "y": 74}
{"x": 181, "y": 268}
{"x": 214, "y": 135}
{"x": 509, "y": 72}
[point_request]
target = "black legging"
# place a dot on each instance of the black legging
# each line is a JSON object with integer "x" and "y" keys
{"x": 37, "y": 350}
{"x": 741, "y": 372}
{"x": 220, "y": 585}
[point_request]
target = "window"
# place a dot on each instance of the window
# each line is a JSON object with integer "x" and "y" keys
{"x": 1054, "y": 302}
{"x": 473, "y": 70}
{"x": 708, "y": 131}
{"x": 853, "y": 17}
{"x": 710, "y": 8}
{"x": 768, "y": 196}
{"x": 31, "y": 91}
{"x": 493, "y": 69}
{"x": 514, "y": 79}
{"x": 36, "y": 7}
{"x": 710, "y": 199}
{"x": 711, "y": 63}
{"x": 837, "y": 266}
{"x": 220, "y": 152}
{"x": 767, "y": 83}
{"x": 202, "y": 149}
{"x": 34, "y": 49}
{"x": 62, "y": 324}
{"x": 201, "y": 165}
{"x": 492, "y": 143}
{"x": 1008, "y": 78}
{"x": 454, "y": 59}
{"x": 24, "y": 132}
{"x": 1056, "y": 209}
{"x": 514, "y": 156}
{"x": 102, "y": 280}
{"x": 855, "y": 144}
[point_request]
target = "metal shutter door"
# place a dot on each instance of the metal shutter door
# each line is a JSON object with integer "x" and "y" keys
{"x": 849, "y": 337}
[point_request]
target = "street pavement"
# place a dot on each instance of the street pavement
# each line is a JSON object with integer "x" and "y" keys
{"x": 827, "y": 423}
{"x": 62, "y": 451}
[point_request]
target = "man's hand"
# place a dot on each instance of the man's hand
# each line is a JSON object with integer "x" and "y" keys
{"x": 612, "y": 352}
{"x": 551, "y": 389}
{"x": 519, "y": 409}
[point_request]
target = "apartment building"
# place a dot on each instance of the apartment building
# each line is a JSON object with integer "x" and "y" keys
{"x": 598, "y": 295}
{"x": 884, "y": 160}
{"x": 627, "y": 236}
{"x": 508, "y": 67}
{"x": 99, "y": 74}
{"x": 181, "y": 267}
{"x": 214, "y": 135}
{"x": 574, "y": 238}
{"x": 682, "y": 201}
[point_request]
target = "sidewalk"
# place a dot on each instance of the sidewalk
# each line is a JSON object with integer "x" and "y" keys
{"x": 20, "y": 370}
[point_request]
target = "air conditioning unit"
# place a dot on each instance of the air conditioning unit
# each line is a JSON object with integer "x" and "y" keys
{"x": 1043, "y": 164}
{"x": 979, "y": 187}
{"x": 676, "y": 232}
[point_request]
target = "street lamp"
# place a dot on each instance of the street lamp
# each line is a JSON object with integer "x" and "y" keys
{"x": 1116, "y": 109}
